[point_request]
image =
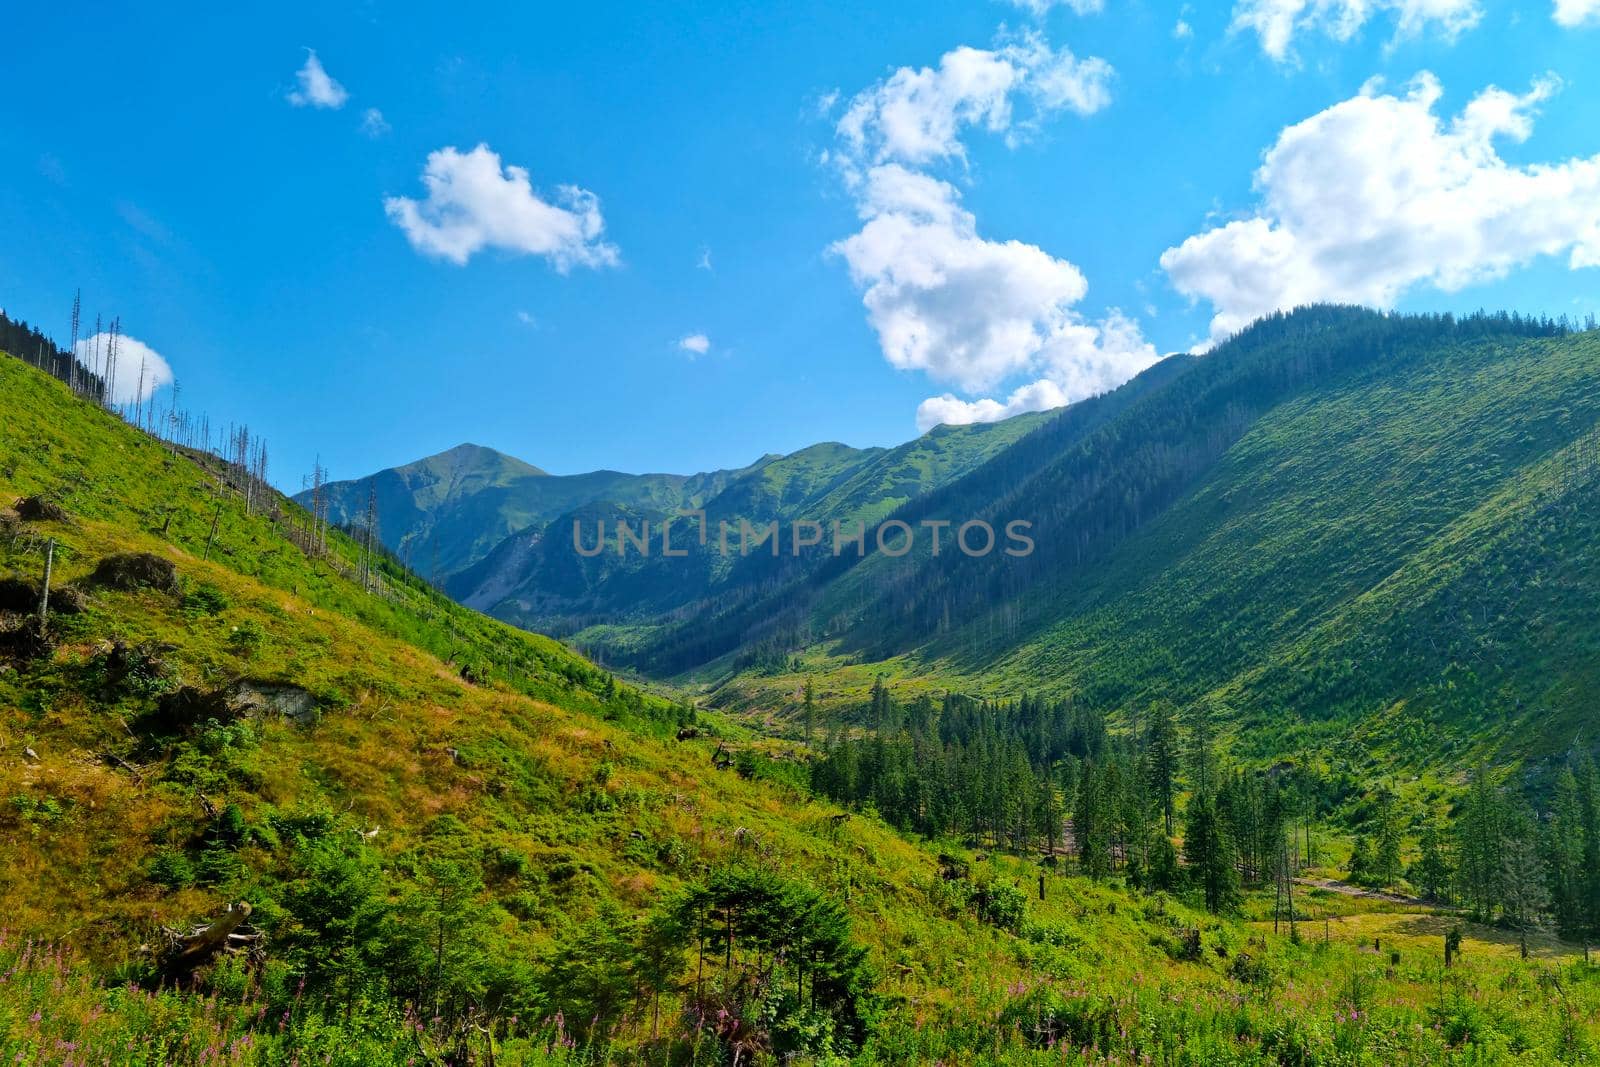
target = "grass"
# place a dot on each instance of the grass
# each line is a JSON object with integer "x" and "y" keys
{"x": 569, "y": 797}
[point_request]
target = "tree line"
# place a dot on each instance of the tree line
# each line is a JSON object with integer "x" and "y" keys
{"x": 1159, "y": 804}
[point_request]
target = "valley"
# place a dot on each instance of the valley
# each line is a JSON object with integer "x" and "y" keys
{"x": 1296, "y": 691}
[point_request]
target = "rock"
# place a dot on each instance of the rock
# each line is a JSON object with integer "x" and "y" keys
{"x": 39, "y": 509}
{"x": 289, "y": 701}
{"x": 136, "y": 570}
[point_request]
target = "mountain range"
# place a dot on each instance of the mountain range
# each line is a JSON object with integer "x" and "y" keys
{"x": 1327, "y": 592}
{"x": 1338, "y": 516}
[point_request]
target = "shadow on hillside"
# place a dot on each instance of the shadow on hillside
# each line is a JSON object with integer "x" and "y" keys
{"x": 1540, "y": 945}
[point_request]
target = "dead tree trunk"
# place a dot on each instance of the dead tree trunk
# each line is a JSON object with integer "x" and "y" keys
{"x": 44, "y": 596}
{"x": 215, "y": 518}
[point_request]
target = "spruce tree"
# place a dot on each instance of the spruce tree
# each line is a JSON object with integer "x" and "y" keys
{"x": 1432, "y": 873}
{"x": 1386, "y": 865}
{"x": 1525, "y": 895}
{"x": 808, "y": 710}
{"x": 1479, "y": 832}
{"x": 1211, "y": 856}
{"x": 1163, "y": 759}
{"x": 1360, "y": 869}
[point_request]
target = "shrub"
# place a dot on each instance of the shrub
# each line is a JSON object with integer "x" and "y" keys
{"x": 1001, "y": 904}
{"x": 205, "y": 599}
{"x": 171, "y": 868}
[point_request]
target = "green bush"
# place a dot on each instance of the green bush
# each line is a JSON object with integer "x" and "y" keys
{"x": 171, "y": 868}
{"x": 203, "y": 598}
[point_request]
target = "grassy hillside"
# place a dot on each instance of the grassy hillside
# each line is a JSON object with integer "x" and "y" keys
{"x": 1400, "y": 538}
{"x": 452, "y": 835}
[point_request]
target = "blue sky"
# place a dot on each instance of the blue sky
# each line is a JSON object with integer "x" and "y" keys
{"x": 874, "y": 219}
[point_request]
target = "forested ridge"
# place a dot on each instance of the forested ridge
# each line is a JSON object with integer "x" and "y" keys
{"x": 269, "y": 797}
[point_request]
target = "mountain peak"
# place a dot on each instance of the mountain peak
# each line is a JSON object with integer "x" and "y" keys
{"x": 468, "y": 456}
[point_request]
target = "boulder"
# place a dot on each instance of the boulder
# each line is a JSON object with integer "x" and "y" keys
{"x": 274, "y": 698}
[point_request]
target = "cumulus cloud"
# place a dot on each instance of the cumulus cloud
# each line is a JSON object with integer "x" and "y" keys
{"x": 1377, "y": 194}
{"x": 917, "y": 115}
{"x": 373, "y": 124}
{"x": 964, "y": 309}
{"x": 971, "y": 311}
{"x": 317, "y": 87}
{"x": 1276, "y": 22}
{"x": 137, "y": 371}
{"x": 474, "y": 203}
{"x": 1571, "y": 13}
{"x": 696, "y": 344}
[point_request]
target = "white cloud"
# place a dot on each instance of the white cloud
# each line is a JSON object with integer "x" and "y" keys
{"x": 1275, "y": 22}
{"x": 1377, "y": 194}
{"x": 1040, "y": 8}
{"x": 1571, "y": 13}
{"x": 917, "y": 115}
{"x": 373, "y": 124}
{"x": 139, "y": 369}
{"x": 473, "y": 203}
{"x": 963, "y": 309}
{"x": 971, "y": 311}
{"x": 704, "y": 262}
{"x": 1183, "y": 31}
{"x": 526, "y": 319}
{"x": 696, "y": 344}
{"x": 1082, "y": 361}
{"x": 317, "y": 87}
{"x": 950, "y": 410}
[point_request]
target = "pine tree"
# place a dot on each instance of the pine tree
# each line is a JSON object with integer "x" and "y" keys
{"x": 1432, "y": 873}
{"x": 1479, "y": 832}
{"x": 1163, "y": 759}
{"x": 1386, "y": 864}
{"x": 1525, "y": 894}
{"x": 1211, "y": 856}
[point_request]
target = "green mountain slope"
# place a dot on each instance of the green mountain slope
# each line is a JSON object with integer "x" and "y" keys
{"x": 1342, "y": 518}
{"x": 460, "y": 842}
{"x": 536, "y": 578}
{"x": 448, "y": 511}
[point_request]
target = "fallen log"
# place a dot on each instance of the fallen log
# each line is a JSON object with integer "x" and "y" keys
{"x": 187, "y": 952}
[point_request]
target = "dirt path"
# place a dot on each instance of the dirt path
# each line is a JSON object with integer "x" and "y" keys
{"x": 1333, "y": 885}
